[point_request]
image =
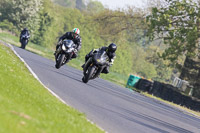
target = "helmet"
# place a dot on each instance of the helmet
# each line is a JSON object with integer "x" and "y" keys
{"x": 76, "y": 31}
{"x": 25, "y": 28}
{"x": 112, "y": 48}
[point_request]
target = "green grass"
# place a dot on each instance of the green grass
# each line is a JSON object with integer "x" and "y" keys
{"x": 26, "y": 106}
{"x": 115, "y": 78}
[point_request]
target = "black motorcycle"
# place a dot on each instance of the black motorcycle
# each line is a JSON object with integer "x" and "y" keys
{"x": 65, "y": 52}
{"x": 24, "y": 40}
{"x": 94, "y": 65}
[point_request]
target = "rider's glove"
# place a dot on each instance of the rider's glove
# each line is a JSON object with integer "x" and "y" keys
{"x": 108, "y": 64}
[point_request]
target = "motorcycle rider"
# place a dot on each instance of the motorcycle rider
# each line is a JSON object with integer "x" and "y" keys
{"x": 75, "y": 37}
{"x": 23, "y": 32}
{"x": 110, "y": 50}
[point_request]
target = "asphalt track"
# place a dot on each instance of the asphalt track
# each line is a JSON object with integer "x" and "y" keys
{"x": 114, "y": 108}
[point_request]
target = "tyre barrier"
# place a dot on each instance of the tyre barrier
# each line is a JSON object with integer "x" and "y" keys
{"x": 168, "y": 93}
{"x": 171, "y": 93}
{"x": 144, "y": 85}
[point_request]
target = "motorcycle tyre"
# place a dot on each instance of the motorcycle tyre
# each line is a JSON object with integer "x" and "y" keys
{"x": 87, "y": 77}
{"x": 23, "y": 44}
{"x": 59, "y": 63}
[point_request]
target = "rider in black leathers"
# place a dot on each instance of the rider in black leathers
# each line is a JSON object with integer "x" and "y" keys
{"x": 110, "y": 50}
{"x": 75, "y": 37}
{"x": 24, "y": 31}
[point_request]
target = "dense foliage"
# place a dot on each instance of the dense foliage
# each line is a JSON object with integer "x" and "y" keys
{"x": 178, "y": 24}
{"x": 21, "y": 13}
{"x": 99, "y": 27}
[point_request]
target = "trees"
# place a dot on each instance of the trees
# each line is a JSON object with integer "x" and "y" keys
{"x": 94, "y": 7}
{"x": 80, "y": 4}
{"x": 115, "y": 23}
{"x": 21, "y": 13}
{"x": 66, "y": 3}
{"x": 99, "y": 27}
{"x": 177, "y": 23}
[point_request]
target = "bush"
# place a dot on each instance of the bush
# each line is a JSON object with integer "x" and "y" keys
{"x": 8, "y": 26}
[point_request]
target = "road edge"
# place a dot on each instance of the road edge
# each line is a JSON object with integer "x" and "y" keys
{"x": 35, "y": 76}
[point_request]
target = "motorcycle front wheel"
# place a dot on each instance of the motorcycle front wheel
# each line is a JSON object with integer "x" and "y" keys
{"x": 88, "y": 74}
{"x": 59, "y": 60}
{"x": 23, "y": 43}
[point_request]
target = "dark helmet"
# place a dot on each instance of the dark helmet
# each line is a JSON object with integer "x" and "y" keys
{"x": 112, "y": 48}
{"x": 25, "y": 28}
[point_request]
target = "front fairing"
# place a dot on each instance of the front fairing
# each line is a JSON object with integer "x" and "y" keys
{"x": 25, "y": 36}
{"x": 68, "y": 46}
{"x": 100, "y": 58}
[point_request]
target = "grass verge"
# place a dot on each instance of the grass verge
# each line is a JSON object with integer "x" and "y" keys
{"x": 26, "y": 106}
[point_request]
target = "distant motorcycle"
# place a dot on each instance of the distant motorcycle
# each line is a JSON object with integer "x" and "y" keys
{"x": 94, "y": 65}
{"x": 24, "y": 40}
{"x": 66, "y": 50}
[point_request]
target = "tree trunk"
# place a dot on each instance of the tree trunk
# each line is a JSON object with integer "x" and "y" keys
{"x": 191, "y": 73}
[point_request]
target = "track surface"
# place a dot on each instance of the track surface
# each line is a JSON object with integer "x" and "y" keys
{"x": 114, "y": 108}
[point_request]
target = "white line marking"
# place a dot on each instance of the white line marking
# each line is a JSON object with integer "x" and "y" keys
{"x": 43, "y": 84}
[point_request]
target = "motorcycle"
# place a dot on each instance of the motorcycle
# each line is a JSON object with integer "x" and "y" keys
{"x": 65, "y": 52}
{"x": 24, "y": 40}
{"x": 94, "y": 65}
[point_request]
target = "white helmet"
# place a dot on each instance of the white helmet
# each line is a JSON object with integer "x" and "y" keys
{"x": 76, "y": 31}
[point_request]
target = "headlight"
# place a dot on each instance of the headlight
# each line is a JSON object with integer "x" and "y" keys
{"x": 63, "y": 47}
{"x": 100, "y": 60}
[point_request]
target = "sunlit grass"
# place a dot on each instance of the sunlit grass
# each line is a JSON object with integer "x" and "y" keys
{"x": 27, "y": 107}
{"x": 115, "y": 78}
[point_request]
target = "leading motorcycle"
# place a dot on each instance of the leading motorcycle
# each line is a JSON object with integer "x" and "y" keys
{"x": 94, "y": 65}
{"x": 65, "y": 52}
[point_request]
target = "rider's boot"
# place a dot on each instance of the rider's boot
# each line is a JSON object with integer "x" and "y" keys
{"x": 83, "y": 66}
